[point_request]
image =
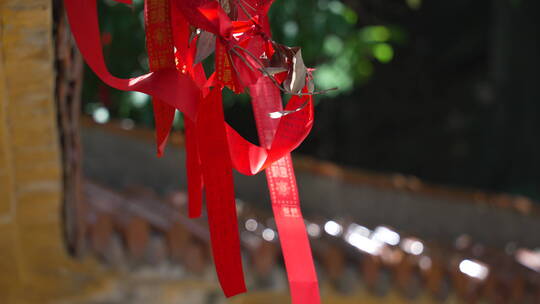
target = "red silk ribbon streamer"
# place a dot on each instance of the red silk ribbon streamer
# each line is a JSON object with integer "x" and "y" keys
{"x": 159, "y": 45}
{"x": 208, "y": 160}
{"x": 266, "y": 98}
{"x": 184, "y": 61}
{"x": 220, "y": 198}
{"x": 193, "y": 169}
{"x": 281, "y": 181}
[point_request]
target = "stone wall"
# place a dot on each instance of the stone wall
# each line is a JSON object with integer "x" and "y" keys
{"x": 130, "y": 161}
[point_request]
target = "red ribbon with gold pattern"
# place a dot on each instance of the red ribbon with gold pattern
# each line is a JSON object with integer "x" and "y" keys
{"x": 213, "y": 148}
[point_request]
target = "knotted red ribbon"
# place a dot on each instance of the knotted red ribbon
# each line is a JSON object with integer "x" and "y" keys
{"x": 213, "y": 147}
{"x": 182, "y": 92}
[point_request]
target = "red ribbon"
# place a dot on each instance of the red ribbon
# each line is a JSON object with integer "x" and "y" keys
{"x": 160, "y": 56}
{"x": 266, "y": 98}
{"x": 181, "y": 92}
{"x": 209, "y": 138}
{"x": 184, "y": 60}
{"x": 207, "y": 159}
{"x": 220, "y": 199}
{"x": 281, "y": 181}
{"x": 193, "y": 169}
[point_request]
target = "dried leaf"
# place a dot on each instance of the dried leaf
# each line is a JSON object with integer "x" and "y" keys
{"x": 274, "y": 70}
{"x": 282, "y": 56}
{"x": 296, "y": 79}
{"x": 206, "y": 45}
{"x": 280, "y": 114}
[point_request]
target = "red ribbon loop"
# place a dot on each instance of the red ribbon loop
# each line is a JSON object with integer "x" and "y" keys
{"x": 181, "y": 92}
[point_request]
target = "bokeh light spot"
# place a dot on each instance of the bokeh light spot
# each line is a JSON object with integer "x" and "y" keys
{"x": 376, "y": 33}
{"x": 101, "y": 115}
{"x": 414, "y": 4}
{"x": 138, "y": 99}
{"x": 383, "y": 52}
{"x": 333, "y": 45}
{"x": 336, "y": 7}
{"x": 290, "y": 28}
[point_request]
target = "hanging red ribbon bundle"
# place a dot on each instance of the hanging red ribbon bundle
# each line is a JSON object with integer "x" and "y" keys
{"x": 180, "y": 34}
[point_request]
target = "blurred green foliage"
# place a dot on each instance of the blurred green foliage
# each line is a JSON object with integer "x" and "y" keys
{"x": 332, "y": 40}
{"x": 344, "y": 54}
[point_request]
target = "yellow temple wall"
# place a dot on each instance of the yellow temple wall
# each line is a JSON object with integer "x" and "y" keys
{"x": 34, "y": 265}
